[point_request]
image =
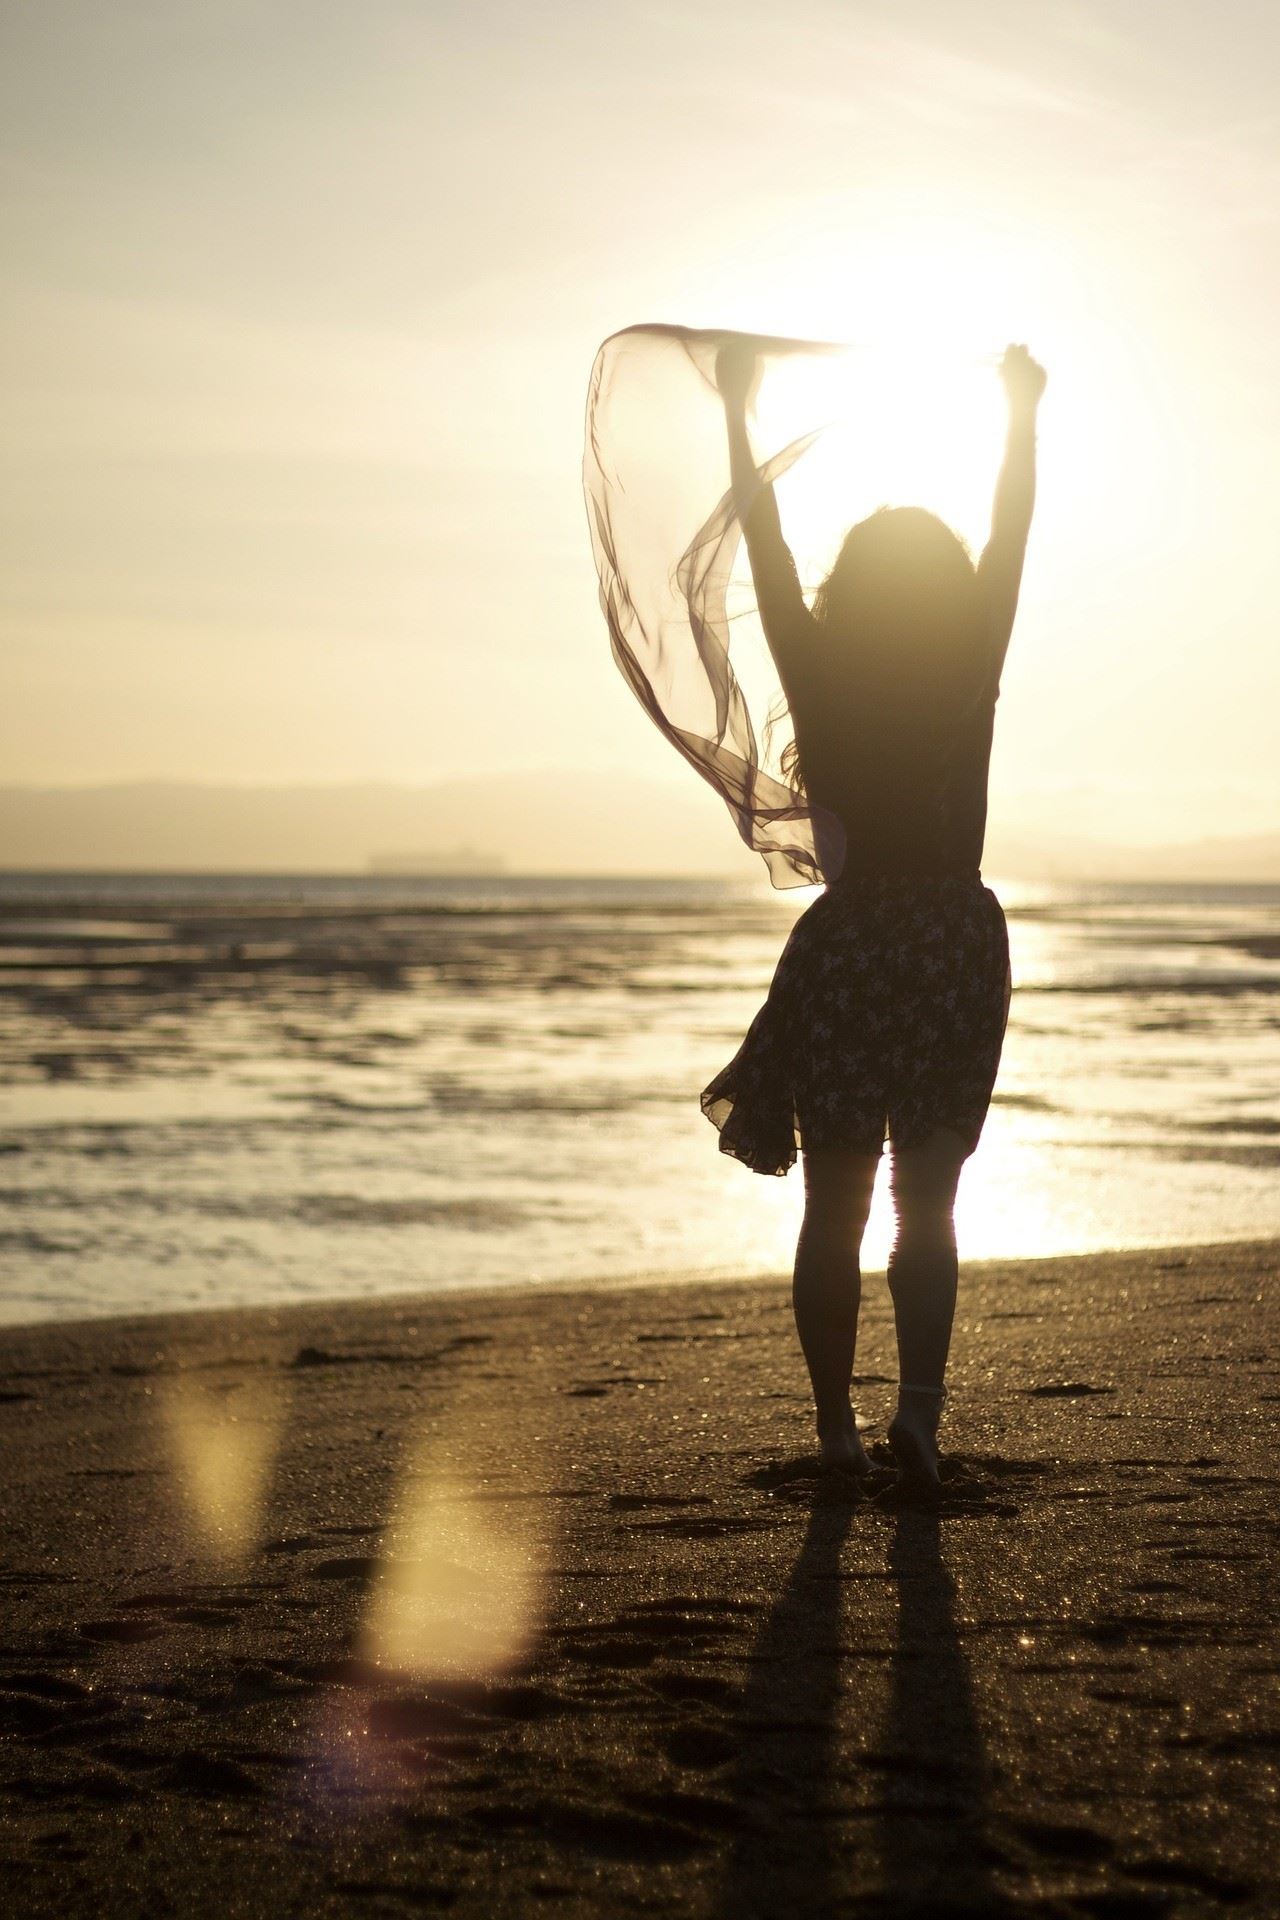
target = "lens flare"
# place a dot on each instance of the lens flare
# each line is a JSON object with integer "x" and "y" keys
{"x": 457, "y": 1594}
{"x": 222, "y": 1444}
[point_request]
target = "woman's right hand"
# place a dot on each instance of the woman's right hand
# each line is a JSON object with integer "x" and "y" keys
{"x": 1024, "y": 378}
{"x": 737, "y": 372}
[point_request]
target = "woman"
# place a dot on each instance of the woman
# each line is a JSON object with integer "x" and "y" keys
{"x": 889, "y": 1003}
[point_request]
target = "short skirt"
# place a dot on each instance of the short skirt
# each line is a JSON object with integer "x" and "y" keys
{"x": 887, "y": 1011}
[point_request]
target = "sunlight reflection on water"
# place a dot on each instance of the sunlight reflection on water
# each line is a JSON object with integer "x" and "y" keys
{"x": 415, "y": 1098}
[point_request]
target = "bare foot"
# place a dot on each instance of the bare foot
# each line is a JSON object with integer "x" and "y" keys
{"x": 842, "y": 1447}
{"x": 917, "y": 1456}
{"x": 913, "y": 1437}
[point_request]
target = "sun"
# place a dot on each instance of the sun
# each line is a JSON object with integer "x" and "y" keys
{"x": 898, "y": 428}
{"x": 912, "y": 412}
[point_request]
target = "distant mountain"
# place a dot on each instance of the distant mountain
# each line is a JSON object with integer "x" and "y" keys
{"x": 1248, "y": 857}
{"x": 468, "y": 860}
{"x": 537, "y": 822}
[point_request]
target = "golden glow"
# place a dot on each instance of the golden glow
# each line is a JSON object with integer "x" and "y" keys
{"x": 455, "y": 1599}
{"x": 251, "y": 495}
{"x": 906, "y": 430}
{"x": 458, "y": 1589}
{"x": 223, "y": 1446}
{"x": 927, "y": 305}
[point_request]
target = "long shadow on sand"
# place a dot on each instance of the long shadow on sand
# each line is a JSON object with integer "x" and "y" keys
{"x": 930, "y": 1803}
{"x": 826, "y": 1823}
{"x": 787, "y": 1857}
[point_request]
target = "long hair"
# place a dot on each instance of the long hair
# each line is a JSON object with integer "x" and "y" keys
{"x": 901, "y": 616}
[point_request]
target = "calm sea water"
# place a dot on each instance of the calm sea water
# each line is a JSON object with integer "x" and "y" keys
{"x": 221, "y": 1090}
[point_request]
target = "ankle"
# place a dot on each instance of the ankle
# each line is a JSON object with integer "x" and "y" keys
{"x": 920, "y": 1407}
{"x": 840, "y": 1421}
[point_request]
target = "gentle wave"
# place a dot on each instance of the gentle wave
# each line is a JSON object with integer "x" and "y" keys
{"x": 218, "y": 1088}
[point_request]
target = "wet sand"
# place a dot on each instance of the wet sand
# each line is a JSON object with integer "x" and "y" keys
{"x": 534, "y": 1602}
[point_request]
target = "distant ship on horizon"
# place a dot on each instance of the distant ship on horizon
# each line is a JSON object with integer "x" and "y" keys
{"x": 454, "y": 860}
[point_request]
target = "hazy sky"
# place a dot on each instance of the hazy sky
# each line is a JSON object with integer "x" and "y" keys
{"x": 301, "y": 302}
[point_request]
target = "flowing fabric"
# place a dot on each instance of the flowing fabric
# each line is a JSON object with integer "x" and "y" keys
{"x": 888, "y": 1006}
{"x": 665, "y": 530}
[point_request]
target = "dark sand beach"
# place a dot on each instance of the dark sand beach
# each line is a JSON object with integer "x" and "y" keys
{"x": 533, "y": 1602}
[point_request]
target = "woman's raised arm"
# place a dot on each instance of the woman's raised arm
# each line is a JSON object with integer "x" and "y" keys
{"x": 783, "y": 613}
{"x": 1000, "y": 568}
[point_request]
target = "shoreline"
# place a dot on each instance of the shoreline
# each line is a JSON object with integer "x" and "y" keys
{"x": 388, "y": 1607}
{"x": 523, "y": 1290}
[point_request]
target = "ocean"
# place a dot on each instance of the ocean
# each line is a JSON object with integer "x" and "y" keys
{"x": 217, "y": 1090}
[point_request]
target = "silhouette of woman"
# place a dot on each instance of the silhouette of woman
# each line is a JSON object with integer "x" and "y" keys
{"x": 888, "y": 1007}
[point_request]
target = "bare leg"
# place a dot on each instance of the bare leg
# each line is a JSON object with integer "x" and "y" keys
{"x": 922, "y": 1281}
{"x": 827, "y": 1291}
